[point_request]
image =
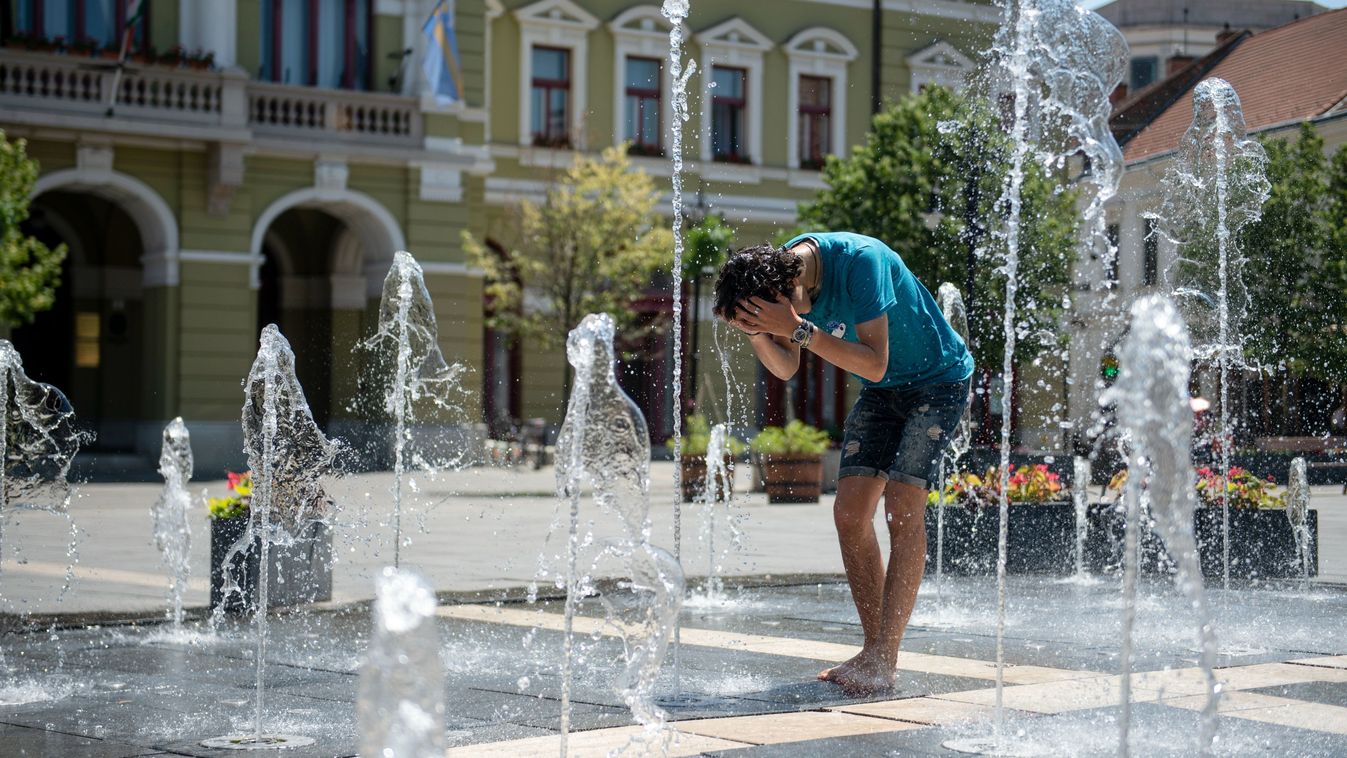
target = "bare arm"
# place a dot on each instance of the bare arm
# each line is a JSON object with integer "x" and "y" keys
{"x": 868, "y": 357}
{"x": 778, "y": 354}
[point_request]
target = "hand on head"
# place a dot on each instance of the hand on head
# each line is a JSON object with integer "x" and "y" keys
{"x": 757, "y": 314}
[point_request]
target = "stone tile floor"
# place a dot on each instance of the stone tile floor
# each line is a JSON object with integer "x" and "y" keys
{"x": 749, "y": 657}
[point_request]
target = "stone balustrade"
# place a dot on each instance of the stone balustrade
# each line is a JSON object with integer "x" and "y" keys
{"x": 42, "y": 85}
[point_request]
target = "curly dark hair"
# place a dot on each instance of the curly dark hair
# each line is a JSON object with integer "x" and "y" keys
{"x": 763, "y": 271}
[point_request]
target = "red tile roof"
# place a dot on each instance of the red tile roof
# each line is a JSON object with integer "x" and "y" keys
{"x": 1291, "y": 73}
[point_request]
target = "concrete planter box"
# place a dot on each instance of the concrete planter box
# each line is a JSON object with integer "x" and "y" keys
{"x": 1041, "y": 539}
{"x": 792, "y": 478}
{"x": 1262, "y": 544}
{"x": 306, "y": 567}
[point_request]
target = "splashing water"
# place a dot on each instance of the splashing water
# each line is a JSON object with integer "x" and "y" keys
{"x": 38, "y": 443}
{"x": 676, "y": 11}
{"x": 288, "y": 455}
{"x": 1080, "y": 498}
{"x": 1216, "y": 184}
{"x": 401, "y": 699}
{"x": 717, "y": 488}
{"x": 409, "y": 335}
{"x": 951, "y": 305}
{"x": 604, "y": 443}
{"x": 1298, "y": 512}
{"x": 1158, "y": 430}
{"x": 172, "y": 527}
{"x": 1057, "y": 64}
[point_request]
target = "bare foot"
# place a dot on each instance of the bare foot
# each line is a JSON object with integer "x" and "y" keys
{"x": 864, "y": 675}
{"x": 841, "y": 669}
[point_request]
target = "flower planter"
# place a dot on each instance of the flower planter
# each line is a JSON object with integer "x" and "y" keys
{"x": 1262, "y": 544}
{"x": 694, "y": 478}
{"x": 298, "y": 573}
{"x": 792, "y": 478}
{"x": 1041, "y": 539}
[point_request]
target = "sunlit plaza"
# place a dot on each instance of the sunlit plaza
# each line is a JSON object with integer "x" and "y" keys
{"x": 598, "y": 378}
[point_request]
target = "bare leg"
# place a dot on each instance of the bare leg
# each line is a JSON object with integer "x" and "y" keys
{"x": 854, "y": 515}
{"x": 875, "y": 668}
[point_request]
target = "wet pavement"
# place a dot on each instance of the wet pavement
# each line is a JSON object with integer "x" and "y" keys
{"x": 478, "y": 529}
{"x": 746, "y": 676}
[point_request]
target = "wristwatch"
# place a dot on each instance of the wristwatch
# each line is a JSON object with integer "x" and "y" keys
{"x": 803, "y": 334}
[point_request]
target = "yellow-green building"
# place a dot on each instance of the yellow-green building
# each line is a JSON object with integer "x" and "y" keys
{"x": 264, "y": 162}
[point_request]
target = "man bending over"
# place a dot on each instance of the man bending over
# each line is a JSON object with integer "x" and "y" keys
{"x": 852, "y": 301}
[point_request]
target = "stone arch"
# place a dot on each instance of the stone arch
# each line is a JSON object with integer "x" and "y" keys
{"x": 153, "y": 218}
{"x": 378, "y": 232}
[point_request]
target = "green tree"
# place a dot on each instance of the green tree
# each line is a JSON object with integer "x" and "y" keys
{"x": 707, "y": 244}
{"x": 592, "y": 245}
{"x": 30, "y": 271}
{"x": 1296, "y": 273}
{"x": 927, "y": 181}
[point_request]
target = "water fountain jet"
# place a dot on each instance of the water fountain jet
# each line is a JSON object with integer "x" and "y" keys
{"x": 172, "y": 527}
{"x": 401, "y": 698}
{"x": 1158, "y": 431}
{"x": 1215, "y": 185}
{"x": 288, "y": 455}
{"x": 38, "y": 444}
{"x": 408, "y": 330}
{"x": 604, "y": 443}
{"x": 1056, "y": 64}
{"x": 676, "y": 11}
{"x": 952, "y": 306}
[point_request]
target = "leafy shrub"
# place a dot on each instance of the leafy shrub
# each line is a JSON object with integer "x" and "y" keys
{"x": 796, "y": 438}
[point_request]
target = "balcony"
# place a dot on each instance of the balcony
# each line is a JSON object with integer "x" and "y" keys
{"x": 44, "y": 89}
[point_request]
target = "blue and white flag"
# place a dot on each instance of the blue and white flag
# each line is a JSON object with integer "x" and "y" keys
{"x": 441, "y": 62}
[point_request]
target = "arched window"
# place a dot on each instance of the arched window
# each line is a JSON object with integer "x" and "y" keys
{"x": 318, "y": 43}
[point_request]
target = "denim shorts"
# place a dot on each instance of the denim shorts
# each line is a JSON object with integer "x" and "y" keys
{"x": 899, "y": 434}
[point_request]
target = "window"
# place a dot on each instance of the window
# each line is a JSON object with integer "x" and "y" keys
{"x": 317, "y": 43}
{"x": 816, "y": 112}
{"x": 551, "y": 96}
{"x": 732, "y": 102}
{"x": 729, "y": 104}
{"x": 816, "y": 103}
{"x": 1144, "y": 72}
{"x": 102, "y": 22}
{"x": 642, "y": 107}
{"x": 942, "y": 64}
{"x": 1150, "y": 259}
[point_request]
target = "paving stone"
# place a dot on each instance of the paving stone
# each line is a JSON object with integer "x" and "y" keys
{"x": 776, "y": 728}
{"x": 1326, "y": 693}
{"x": 27, "y": 742}
{"x": 591, "y": 744}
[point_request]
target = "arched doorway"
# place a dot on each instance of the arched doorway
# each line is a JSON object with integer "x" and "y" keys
{"x": 324, "y": 255}
{"x": 91, "y": 343}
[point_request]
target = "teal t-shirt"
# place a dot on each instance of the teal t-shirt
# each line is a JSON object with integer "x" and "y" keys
{"x": 863, "y": 279}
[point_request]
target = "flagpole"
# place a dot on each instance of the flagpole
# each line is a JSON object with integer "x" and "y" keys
{"x": 121, "y": 65}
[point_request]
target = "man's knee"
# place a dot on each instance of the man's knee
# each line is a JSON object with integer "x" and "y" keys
{"x": 905, "y": 512}
{"x": 851, "y": 517}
